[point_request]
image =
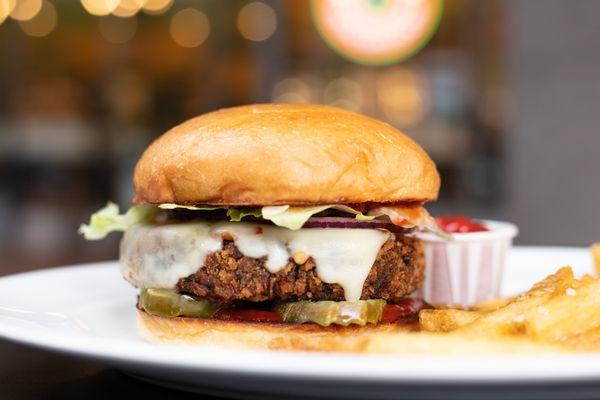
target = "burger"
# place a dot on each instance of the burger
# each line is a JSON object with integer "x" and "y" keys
{"x": 275, "y": 226}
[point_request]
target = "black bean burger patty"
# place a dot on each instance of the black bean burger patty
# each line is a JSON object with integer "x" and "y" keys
{"x": 228, "y": 276}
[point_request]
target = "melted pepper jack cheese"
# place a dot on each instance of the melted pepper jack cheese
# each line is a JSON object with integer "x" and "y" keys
{"x": 157, "y": 256}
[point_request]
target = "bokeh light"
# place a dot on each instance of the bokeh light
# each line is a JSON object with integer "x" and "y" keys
{"x": 344, "y": 93}
{"x": 6, "y": 7}
{"x": 43, "y": 23}
{"x": 157, "y": 7}
{"x": 117, "y": 30}
{"x": 26, "y": 9}
{"x": 291, "y": 90}
{"x": 128, "y": 8}
{"x": 189, "y": 27}
{"x": 402, "y": 97}
{"x": 257, "y": 21}
{"x": 100, "y": 7}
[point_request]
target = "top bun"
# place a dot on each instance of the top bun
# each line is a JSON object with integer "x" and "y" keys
{"x": 269, "y": 154}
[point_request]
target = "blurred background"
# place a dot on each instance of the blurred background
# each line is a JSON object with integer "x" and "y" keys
{"x": 504, "y": 95}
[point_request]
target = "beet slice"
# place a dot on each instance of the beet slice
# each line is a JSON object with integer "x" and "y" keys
{"x": 352, "y": 223}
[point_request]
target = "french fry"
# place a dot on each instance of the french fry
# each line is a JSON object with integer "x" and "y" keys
{"x": 571, "y": 314}
{"x": 584, "y": 280}
{"x": 454, "y": 344}
{"x": 557, "y": 311}
{"x": 595, "y": 249}
{"x": 510, "y": 319}
{"x": 445, "y": 320}
{"x": 491, "y": 305}
{"x": 587, "y": 341}
{"x": 556, "y": 283}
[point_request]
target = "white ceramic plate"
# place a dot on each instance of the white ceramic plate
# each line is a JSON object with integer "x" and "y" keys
{"x": 87, "y": 311}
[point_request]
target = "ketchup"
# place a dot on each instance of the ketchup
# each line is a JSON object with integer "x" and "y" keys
{"x": 236, "y": 314}
{"x": 459, "y": 224}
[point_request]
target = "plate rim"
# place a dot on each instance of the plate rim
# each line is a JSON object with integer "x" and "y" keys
{"x": 106, "y": 351}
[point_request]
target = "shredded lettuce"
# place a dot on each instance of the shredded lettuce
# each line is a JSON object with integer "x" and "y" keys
{"x": 171, "y": 206}
{"x": 357, "y": 214}
{"x": 108, "y": 219}
{"x": 290, "y": 217}
{"x": 236, "y": 214}
{"x": 294, "y": 218}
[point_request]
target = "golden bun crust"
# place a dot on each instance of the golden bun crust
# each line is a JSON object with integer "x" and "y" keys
{"x": 379, "y": 339}
{"x": 270, "y": 154}
{"x": 235, "y": 334}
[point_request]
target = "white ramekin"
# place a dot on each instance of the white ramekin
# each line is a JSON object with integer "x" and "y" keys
{"x": 467, "y": 269}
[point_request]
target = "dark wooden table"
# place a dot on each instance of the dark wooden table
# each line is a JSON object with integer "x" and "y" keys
{"x": 27, "y": 373}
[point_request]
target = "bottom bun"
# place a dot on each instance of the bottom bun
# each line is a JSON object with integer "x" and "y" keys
{"x": 377, "y": 339}
{"x": 250, "y": 335}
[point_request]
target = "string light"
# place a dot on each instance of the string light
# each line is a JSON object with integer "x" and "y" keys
{"x": 99, "y": 7}
{"x": 189, "y": 27}
{"x": 257, "y": 21}
{"x": 43, "y": 23}
{"x": 26, "y": 9}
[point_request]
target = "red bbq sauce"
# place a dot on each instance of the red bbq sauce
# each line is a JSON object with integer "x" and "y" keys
{"x": 403, "y": 311}
{"x": 237, "y": 314}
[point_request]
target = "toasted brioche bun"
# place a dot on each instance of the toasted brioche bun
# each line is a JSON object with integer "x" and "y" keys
{"x": 250, "y": 335}
{"x": 380, "y": 339}
{"x": 284, "y": 154}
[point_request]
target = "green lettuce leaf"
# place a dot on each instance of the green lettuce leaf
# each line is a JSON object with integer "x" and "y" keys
{"x": 108, "y": 219}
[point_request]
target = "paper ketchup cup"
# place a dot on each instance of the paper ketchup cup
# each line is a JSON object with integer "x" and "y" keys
{"x": 469, "y": 268}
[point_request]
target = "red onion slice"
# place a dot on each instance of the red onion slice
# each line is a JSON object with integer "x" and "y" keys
{"x": 352, "y": 223}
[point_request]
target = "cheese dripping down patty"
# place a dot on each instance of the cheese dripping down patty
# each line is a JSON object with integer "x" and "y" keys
{"x": 158, "y": 255}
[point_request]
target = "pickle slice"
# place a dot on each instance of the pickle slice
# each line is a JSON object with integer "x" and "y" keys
{"x": 169, "y": 303}
{"x": 326, "y": 313}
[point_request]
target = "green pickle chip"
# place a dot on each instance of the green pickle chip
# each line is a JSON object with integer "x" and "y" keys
{"x": 169, "y": 303}
{"x": 326, "y": 313}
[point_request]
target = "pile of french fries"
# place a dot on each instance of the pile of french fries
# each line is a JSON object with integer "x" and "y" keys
{"x": 560, "y": 310}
